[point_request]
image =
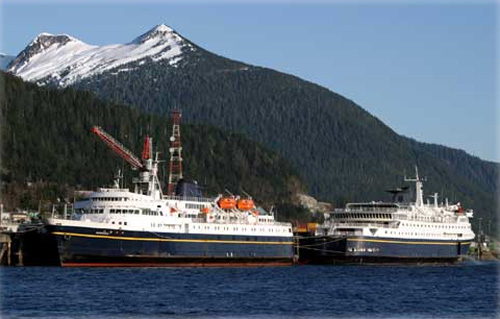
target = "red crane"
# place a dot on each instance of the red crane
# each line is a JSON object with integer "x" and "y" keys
{"x": 121, "y": 150}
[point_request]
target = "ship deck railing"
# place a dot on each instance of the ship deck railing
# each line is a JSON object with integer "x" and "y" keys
{"x": 380, "y": 225}
{"x": 239, "y": 222}
{"x": 346, "y": 233}
{"x": 369, "y": 209}
{"x": 189, "y": 198}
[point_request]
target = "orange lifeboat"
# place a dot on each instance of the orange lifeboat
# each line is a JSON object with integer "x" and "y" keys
{"x": 205, "y": 210}
{"x": 227, "y": 203}
{"x": 246, "y": 204}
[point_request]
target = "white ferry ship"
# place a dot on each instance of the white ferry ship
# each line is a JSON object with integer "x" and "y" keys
{"x": 118, "y": 227}
{"x": 392, "y": 232}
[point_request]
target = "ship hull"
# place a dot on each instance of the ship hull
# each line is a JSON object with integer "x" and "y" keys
{"x": 87, "y": 247}
{"x": 367, "y": 250}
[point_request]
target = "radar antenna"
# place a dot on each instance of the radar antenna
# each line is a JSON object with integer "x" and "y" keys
{"x": 419, "y": 188}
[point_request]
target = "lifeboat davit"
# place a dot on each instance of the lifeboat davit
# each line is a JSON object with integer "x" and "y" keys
{"x": 227, "y": 203}
{"x": 246, "y": 204}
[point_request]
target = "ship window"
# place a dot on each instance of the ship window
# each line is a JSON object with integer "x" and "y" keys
{"x": 112, "y": 211}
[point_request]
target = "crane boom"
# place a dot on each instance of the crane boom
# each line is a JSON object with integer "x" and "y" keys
{"x": 118, "y": 147}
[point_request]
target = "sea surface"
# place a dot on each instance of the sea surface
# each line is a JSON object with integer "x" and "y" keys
{"x": 467, "y": 290}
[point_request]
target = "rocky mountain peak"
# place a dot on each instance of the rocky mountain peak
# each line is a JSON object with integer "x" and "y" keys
{"x": 43, "y": 42}
{"x": 159, "y": 32}
{"x": 46, "y": 40}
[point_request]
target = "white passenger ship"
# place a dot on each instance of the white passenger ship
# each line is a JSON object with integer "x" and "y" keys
{"x": 392, "y": 232}
{"x": 118, "y": 227}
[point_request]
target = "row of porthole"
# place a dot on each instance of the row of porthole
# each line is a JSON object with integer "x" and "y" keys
{"x": 119, "y": 223}
{"x": 116, "y": 232}
{"x": 242, "y": 229}
{"x": 435, "y": 226}
{"x": 110, "y": 199}
{"x": 416, "y": 234}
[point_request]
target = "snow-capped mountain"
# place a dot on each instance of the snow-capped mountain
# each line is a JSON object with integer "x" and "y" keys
{"x": 63, "y": 60}
{"x": 5, "y": 60}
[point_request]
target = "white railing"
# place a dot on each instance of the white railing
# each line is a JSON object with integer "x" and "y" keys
{"x": 378, "y": 225}
{"x": 188, "y": 198}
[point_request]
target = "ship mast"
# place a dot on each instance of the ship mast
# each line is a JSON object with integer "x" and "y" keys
{"x": 175, "y": 165}
{"x": 419, "y": 188}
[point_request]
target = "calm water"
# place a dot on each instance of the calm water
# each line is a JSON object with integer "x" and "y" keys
{"x": 463, "y": 291}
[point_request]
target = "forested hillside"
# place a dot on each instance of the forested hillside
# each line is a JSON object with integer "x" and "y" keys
{"x": 343, "y": 152}
{"x": 47, "y": 144}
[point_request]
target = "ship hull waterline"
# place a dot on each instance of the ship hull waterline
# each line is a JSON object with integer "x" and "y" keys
{"x": 87, "y": 247}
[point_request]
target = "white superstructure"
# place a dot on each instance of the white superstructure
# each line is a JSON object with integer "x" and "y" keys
{"x": 419, "y": 221}
{"x": 120, "y": 209}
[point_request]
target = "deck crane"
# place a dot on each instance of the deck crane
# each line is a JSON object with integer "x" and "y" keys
{"x": 147, "y": 183}
{"x": 119, "y": 148}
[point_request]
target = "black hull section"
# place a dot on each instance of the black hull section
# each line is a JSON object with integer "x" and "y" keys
{"x": 32, "y": 245}
{"x": 369, "y": 250}
{"x": 87, "y": 247}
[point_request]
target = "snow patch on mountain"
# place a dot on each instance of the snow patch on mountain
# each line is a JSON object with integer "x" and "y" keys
{"x": 64, "y": 60}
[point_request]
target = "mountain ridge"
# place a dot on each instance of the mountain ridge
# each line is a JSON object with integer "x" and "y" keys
{"x": 62, "y": 60}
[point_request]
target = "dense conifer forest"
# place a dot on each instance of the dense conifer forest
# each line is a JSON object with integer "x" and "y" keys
{"x": 48, "y": 150}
